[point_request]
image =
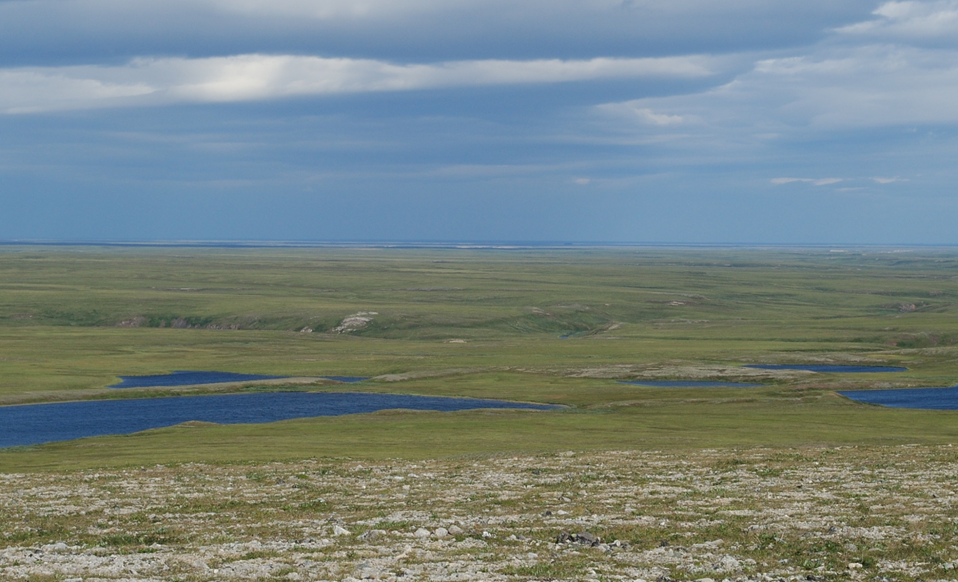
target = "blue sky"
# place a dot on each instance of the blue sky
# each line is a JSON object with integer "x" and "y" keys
{"x": 688, "y": 121}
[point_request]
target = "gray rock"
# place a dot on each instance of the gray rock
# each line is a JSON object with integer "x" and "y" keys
{"x": 372, "y": 535}
{"x": 423, "y": 533}
{"x": 587, "y": 539}
{"x": 584, "y": 538}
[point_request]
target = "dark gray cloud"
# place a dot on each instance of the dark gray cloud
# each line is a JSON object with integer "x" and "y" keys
{"x": 58, "y": 32}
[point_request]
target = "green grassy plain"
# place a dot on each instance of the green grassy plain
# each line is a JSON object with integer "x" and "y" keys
{"x": 483, "y": 323}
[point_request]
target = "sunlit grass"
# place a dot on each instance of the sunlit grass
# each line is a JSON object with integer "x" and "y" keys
{"x": 482, "y": 324}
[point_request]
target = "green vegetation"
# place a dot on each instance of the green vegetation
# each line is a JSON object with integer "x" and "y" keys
{"x": 482, "y": 323}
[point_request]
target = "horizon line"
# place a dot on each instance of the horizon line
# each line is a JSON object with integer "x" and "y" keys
{"x": 464, "y": 245}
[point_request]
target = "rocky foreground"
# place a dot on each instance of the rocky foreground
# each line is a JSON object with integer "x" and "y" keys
{"x": 758, "y": 514}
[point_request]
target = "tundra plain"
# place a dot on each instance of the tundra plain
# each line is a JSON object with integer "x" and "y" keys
{"x": 786, "y": 480}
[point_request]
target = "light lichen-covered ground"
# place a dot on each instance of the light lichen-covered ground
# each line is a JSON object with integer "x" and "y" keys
{"x": 876, "y": 513}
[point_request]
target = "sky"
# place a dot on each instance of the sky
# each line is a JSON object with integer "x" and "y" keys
{"x": 625, "y": 121}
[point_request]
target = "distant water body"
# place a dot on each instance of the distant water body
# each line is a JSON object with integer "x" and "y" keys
{"x": 828, "y": 368}
{"x": 921, "y": 398}
{"x": 42, "y": 423}
{"x": 190, "y": 378}
{"x": 688, "y": 384}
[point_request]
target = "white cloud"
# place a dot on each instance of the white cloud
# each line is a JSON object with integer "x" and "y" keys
{"x": 866, "y": 87}
{"x": 252, "y": 77}
{"x": 329, "y": 9}
{"x": 634, "y": 112}
{"x": 889, "y": 180}
{"x": 583, "y": 181}
{"x": 833, "y": 88}
{"x": 26, "y": 91}
{"x": 648, "y": 116}
{"x": 911, "y": 20}
{"x": 813, "y": 181}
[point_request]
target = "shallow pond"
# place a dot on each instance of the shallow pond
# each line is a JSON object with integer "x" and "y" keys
{"x": 829, "y": 368}
{"x": 42, "y": 423}
{"x": 688, "y": 384}
{"x": 188, "y": 378}
{"x": 923, "y": 398}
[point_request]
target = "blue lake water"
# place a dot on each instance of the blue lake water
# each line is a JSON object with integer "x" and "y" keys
{"x": 41, "y": 423}
{"x": 924, "y": 398}
{"x": 188, "y": 378}
{"x": 688, "y": 384}
{"x": 829, "y": 368}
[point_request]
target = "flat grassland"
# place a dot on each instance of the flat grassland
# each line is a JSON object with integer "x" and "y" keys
{"x": 787, "y": 481}
{"x": 557, "y": 326}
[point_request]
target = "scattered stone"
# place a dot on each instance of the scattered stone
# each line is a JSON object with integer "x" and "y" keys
{"x": 355, "y": 322}
{"x": 372, "y": 535}
{"x": 675, "y": 496}
{"x": 584, "y": 538}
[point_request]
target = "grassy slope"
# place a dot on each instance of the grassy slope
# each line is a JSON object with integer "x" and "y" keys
{"x": 678, "y": 309}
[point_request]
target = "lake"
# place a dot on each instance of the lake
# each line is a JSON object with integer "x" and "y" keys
{"x": 829, "y": 368}
{"x": 923, "y": 398}
{"x": 188, "y": 378}
{"x": 688, "y": 384}
{"x": 41, "y": 423}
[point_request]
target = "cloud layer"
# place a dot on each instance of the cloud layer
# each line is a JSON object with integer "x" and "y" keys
{"x": 910, "y": 21}
{"x": 639, "y": 120}
{"x": 838, "y": 87}
{"x": 56, "y": 32}
{"x": 256, "y": 77}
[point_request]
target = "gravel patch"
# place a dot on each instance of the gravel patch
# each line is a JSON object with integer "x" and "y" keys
{"x": 811, "y": 514}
